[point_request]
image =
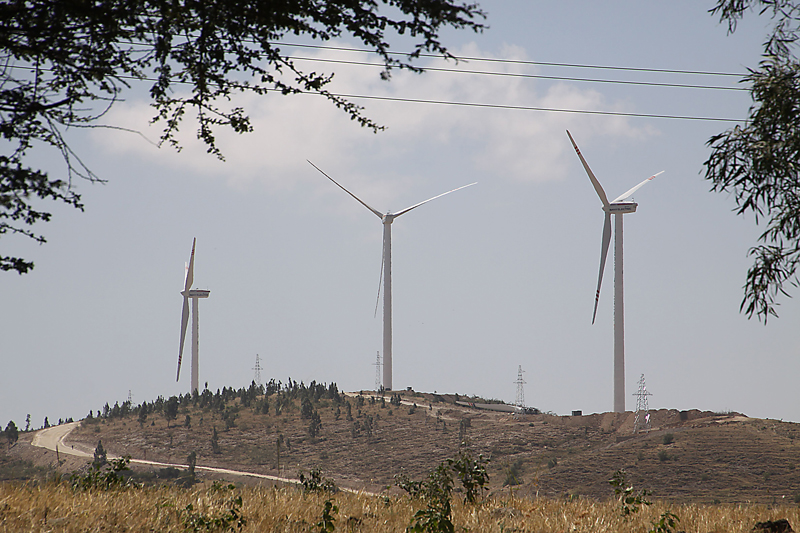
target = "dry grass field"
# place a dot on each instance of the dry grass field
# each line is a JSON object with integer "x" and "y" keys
{"x": 57, "y": 508}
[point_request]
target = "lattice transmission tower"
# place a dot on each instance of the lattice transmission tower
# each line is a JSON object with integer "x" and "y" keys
{"x": 257, "y": 371}
{"x": 378, "y": 374}
{"x": 642, "y": 420}
{"x": 520, "y": 401}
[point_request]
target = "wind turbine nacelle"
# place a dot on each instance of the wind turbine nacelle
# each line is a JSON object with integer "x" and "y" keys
{"x": 620, "y": 208}
{"x": 198, "y": 293}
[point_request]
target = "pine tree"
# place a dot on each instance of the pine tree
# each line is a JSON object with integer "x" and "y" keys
{"x": 215, "y": 442}
{"x": 191, "y": 460}
{"x": 100, "y": 456}
{"x": 11, "y": 433}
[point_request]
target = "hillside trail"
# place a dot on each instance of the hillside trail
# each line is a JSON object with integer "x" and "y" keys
{"x": 54, "y": 439}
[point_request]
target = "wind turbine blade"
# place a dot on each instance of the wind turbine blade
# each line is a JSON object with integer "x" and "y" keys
{"x": 629, "y": 193}
{"x": 603, "y": 255}
{"x": 190, "y": 271}
{"x": 597, "y": 187}
{"x": 378, "y": 213}
{"x": 184, "y": 323}
{"x": 380, "y": 280}
{"x": 407, "y": 209}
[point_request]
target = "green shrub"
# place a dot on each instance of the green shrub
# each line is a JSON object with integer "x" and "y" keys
{"x": 472, "y": 473}
{"x": 513, "y": 473}
{"x": 666, "y": 524}
{"x": 228, "y": 519}
{"x": 326, "y": 525}
{"x": 669, "y": 438}
{"x": 107, "y": 478}
{"x": 316, "y": 483}
{"x": 630, "y": 502}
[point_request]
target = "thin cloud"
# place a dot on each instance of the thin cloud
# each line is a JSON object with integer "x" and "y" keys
{"x": 517, "y": 145}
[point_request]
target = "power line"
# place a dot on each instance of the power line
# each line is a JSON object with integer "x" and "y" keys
{"x": 495, "y": 60}
{"x": 527, "y": 108}
{"x": 522, "y": 62}
{"x": 529, "y": 76}
{"x": 525, "y": 62}
{"x": 469, "y": 104}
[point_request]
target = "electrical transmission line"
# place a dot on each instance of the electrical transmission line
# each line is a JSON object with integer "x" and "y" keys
{"x": 529, "y": 76}
{"x": 519, "y": 75}
{"x": 526, "y": 62}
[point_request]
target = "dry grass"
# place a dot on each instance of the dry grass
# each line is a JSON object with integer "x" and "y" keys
{"x": 57, "y": 508}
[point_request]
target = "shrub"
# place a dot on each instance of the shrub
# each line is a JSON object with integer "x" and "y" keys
{"x": 108, "y": 478}
{"x": 326, "y": 525}
{"x": 630, "y": 502}
{"x": 669, "y": 438}
{"x": 228, "y": 519}
{"x": 437, "y": 488}
{"x": 472, "y": 473}
{"x": 316, "y": 483}
{"x": 513, "y": 474}
{"x": 437, "y": 516}
{"x": 666, "y": 524}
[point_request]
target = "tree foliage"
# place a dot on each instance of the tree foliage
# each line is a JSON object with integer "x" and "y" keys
{"x": 63, "y": 63}
{"x": 11, "y": 433}
{"x": 100, "y": 455}
{"x": 759, "y": 162}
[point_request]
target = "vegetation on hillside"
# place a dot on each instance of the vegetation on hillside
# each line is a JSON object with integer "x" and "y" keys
{"x": 362, "y": 441}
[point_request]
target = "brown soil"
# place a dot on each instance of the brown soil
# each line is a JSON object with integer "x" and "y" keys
{"x": 712, "y": 457}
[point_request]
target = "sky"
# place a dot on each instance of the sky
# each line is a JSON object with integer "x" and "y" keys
{"x": 485, "y": 280}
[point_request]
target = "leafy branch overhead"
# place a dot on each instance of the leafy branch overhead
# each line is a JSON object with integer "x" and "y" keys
{"x": 759, "y": 162}
{"x": 64, "y": 63}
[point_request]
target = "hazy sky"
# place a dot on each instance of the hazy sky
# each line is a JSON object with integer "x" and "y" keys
{"x": 495, "y": 276}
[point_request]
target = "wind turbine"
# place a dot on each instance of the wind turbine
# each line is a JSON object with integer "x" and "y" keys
{"x": 618, "y": 207}
{"x": 194, "y": 295}
{"x": 386, "y": 265}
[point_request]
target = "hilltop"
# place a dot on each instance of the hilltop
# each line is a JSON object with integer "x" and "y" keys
{"x": 362, "y": 442}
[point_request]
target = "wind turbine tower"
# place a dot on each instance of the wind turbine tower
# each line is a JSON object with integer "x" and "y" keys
{"x": 386, "y": 272}
{"x": 618, "y": 207}
{"x": 194, "y": 294}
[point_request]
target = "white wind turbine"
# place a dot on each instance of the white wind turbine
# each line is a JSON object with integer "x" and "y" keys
{"x": 618, "y": 207}
{"x": 386, "y": 265}
{"x": 194, "y": 295}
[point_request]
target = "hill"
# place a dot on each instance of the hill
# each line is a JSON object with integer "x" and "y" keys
{"x": 363, "y": 442}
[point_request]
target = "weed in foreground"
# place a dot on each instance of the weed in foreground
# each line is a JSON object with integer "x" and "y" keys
{"x": 327, "y": 525}
{"x": 315, "y": 482}
{"x": 104, "y": 478}
{"x": 666, "y": 523}
{"x": 229, "y": 518}
{"x": 630, "y": 502}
